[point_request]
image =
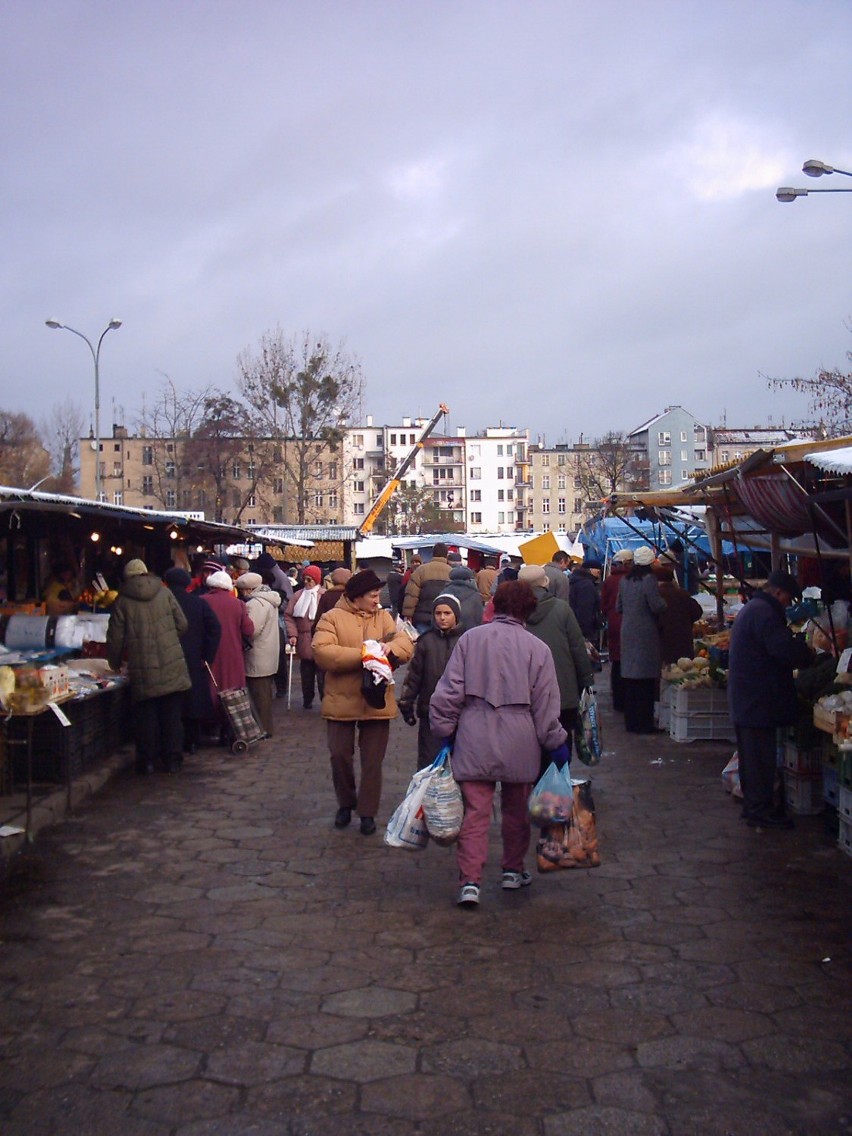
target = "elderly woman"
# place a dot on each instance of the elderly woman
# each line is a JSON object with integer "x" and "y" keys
{"x": 199, "y": 643}
{"x": 229, "y": 668}
{"x": 499, "y": 696}
{"x": 640, "y": 604}
{"x": 299, "y": 617}
{"x": 340, "y": 635}
{"x": 262, "y": 604}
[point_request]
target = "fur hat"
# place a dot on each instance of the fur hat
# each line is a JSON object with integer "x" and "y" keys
{"x": 135, "y": 568}
{"x": 361, "y": 583}
{"x": 220, "y": 579}
{"x": 248, "y": 581}
{"x": 644, "y": 556}
{"x": 534, "y": 575}
{"x": 312, "y": 572}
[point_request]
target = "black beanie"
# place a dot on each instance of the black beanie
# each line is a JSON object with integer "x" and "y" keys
{"x": 361, "y": 583}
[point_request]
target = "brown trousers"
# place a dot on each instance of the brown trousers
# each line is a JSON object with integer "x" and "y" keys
{"x": 372, "y": 742}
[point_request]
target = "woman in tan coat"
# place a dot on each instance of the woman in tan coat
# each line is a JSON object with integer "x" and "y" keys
{"x": 337, "y": 644}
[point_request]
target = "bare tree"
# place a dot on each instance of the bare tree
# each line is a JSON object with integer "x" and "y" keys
{"x": 170, "y": 420}
{"x": 300, "y": 393}
{"x": 24, "y": 461}
{"x": 829, "y": 395}
{"x": 61, "y": 428}
{"x": 608, "y": 466}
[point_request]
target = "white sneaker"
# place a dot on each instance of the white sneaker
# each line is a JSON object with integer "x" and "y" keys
{"x": 468, "y": 895}
{"x": 514, "y": 880}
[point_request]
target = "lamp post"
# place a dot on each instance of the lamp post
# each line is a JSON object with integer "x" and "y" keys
{"x": 813, "y": 168}
{"x": 113, "y": 325}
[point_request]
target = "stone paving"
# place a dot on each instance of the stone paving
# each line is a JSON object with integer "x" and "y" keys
{"x": 204, "y": 955}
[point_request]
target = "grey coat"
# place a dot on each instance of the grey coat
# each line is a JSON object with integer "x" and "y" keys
{"x": 500, "y": 697}
{"x": 639, "y": 602}
{"x": 145, "y": 626}
{"x": 555, "y": 624}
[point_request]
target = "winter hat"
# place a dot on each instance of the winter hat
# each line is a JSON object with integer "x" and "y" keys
{"x": 461, "y": 572}
{"x": 135, "y": 568}
{"x": 220, "y": 579}
{"x": 340, "y": 575}
{"x": 361, "y": 583}
{"x": 624, "y": 556}
{"x": 593, "y": 564}
{"x": 265, "y": 562}
{"x": 450, "y": 601}
{"x": 534, "y": 575}
{"x": 248, "y": 581}
{"x": 644, "y": 556}
{"x": 454, "y": 557}
{"x": 505, "y": 560}
{"x": 177, "y": 578}
{"x": 240, "y": 563}
{"x": 212, "y": 566}
{"x": 778, "y": 579}
{"x": 313, "y": 572}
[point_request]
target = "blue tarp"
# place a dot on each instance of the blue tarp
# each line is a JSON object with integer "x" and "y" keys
{"x": 610, "y": 534}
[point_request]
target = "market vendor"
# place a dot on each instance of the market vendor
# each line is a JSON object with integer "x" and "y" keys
{"x": 762, "y": 694}
{"x": 62, "y": 591}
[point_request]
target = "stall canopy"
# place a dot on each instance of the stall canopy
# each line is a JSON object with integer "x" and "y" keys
{"x": 608, "y": 535}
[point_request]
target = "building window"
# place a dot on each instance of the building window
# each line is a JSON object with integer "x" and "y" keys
{"x": 684, "y": 455}
{"x": 279, "y": 485}
{"x": 561, "y": 460}
{"x": 147, "y": 486}
{"x": 560, "y": 481}
{"x": 500, "y": 495}
{"x": 332, "y": 499}
{"x": 251, "y": 471}
{"x": 317, "y": 469}
{"x": 499, "y": 451}
{"x": 358, "y": 463}
{"x": 318, "y": 499}
{"x": 358, "y": 508}
{"x": 685, "y": 476}
{"x": 476, "y": 518}
{"x": 116, "y": 469}
{"x": 499, "y": 473}
{"x": 560, "y": 507}
{"x": 510, "y": 494}
{"x": 683, "y": 435}
{"x": 545, "y": 481}
{"x": 578, "y": 483}
{"x": 379, "y": 440}
{"x": 236, "y": 471}
{"x": 510, "y": 449}
{"x": 665, "y": 457}
{"x": 545, "y": 459}
{"x": 170, "y": 469}
{"x": 700, "y": 434}
{"x": 118, "y": 497}
{"x": 545, "y": 505}
{"x": 501, "y": 518}
{"x": 147, "y": 455}
{"x": 578, "y": 504}
{"x": 701, "y": 455}
{"x": 236, "y": 498}
{"x": 476, "y": 494}
{"x": 546, "y": 526}
{"x": 393, "y": 439}
{"x": 358, "y": 486}
{"x": 358, "y": 441}
{"x": 664, "y": 438}
{"x": 171, "y": 499}
{"x": 510, "y": 472}
{"x": 476, "y": 473}
{"x": 665, "y": 477}
{"x": 332, "y": 471}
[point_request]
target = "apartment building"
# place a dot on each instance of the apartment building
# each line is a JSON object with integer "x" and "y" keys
{"x": 497, "y": 467}
{"x": 669, "y": 449}
{"x": 729, "y": 444}
{"x": 557, "y": 499}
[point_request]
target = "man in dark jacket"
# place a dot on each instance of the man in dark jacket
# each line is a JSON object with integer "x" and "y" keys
{"x": 557, "y": 574}
{"x": 462, "y": 585}
{"x": 145, "y": 626}
{"x": 761, "y": 692}
{"x": 199, "y": 644}
{"x": 584, "y": 600}
{"x": 424, "y": 587}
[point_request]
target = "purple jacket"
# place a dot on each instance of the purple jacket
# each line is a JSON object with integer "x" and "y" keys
{"x": 500, "y": 697}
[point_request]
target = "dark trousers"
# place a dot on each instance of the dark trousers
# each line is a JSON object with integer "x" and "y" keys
{"x": 308, "y": 673}
{"x": 372, "y": 742}
{"x": 757, "y": 753}
{"x": 428, "y": 746}
{"x": 638, "y": 705}
{"x": 617, "y": 684}
{"x": 159, "y": 731}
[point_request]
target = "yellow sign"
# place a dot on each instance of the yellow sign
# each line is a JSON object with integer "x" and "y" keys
{"x": 540, "y": 549}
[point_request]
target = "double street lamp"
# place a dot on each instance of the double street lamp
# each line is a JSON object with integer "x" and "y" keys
{"x": 113, "y": 325}
{"x": 814, "y": 169}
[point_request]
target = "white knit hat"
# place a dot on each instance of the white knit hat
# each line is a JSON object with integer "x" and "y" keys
{"x": 644, "y": 556}
{"x": 220, "y": 580}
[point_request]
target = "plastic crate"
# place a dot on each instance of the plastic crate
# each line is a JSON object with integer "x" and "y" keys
{"x": 831, "y": 786}
{"x": 846, "y": 769}
{"x": 844, "y": 837}
{"x": 844, "y": 804}
{"x": 701, "y": 727}
{"x": 804, "y": 762}
{"x": 830, "y": 753}
{"x": 702, "y": 700}
{"x": 803, "y": 794}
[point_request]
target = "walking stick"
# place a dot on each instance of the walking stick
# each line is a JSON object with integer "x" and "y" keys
{"x": 291, "y": 651}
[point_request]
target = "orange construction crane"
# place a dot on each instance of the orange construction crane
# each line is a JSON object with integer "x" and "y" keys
{"x": 366, "y": 525}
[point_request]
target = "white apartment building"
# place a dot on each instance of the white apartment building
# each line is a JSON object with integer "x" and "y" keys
{"x": 370, "y": 452}
{"x": 497, "y": 479}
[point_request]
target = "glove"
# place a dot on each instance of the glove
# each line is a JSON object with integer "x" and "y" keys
{"x": 408, "y": 715}
{"x": 561, "y": 756}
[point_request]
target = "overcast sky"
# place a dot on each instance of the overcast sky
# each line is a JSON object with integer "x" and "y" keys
{"x": 553, "y": 215}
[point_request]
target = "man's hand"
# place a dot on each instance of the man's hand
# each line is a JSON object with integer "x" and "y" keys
{"x": 408, "y": 715}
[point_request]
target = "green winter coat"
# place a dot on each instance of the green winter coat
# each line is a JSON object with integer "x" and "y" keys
{"x": 554, "y": 622}
{"x": 145, "y": 626}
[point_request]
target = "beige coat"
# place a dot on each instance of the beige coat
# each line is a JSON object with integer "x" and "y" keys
{"x": 337, "y": 645}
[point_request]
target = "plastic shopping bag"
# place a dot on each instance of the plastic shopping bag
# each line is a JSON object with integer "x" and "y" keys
{"x": 552, "y": 799}
{"x": 443, "y": 804}
{"x": 407, "y": 827}
{"x": 731, "y": 777}
{"x": 573, "y": 844}
{"x": 587, "y": 731}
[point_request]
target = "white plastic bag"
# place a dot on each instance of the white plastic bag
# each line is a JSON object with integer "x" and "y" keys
{"x": 443, "y": 804}
{"x": 407, "y": 827}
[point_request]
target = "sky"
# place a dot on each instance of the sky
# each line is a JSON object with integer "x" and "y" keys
{"x": 556, "y": 215}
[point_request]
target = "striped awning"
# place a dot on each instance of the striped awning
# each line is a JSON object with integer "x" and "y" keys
{"x": 776, "y": 502}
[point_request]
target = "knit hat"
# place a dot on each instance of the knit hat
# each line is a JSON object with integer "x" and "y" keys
{"x": 265, "y": 562}
{"x": 340, "y": 575}
{"x": 135, "y": 568}
{"x": 220, "y": 579}
{"x": 782, "y": 580}
{"x": 450, "y": 601}
{"x": 240, "y": 563}
{"x": 534, "y": 575}
{"x": 644, "y": 556}
{"x": 313, "y": 572}
{"x": 212, "y": 566}
{"x": 623, "y": 556}
{"x": 505, "y": 559}
{"x": 594, "y": 563}
{"x": 454, "y": 557}
{"x": 177, "y": 578}
{"x": 248, "y": 581}
{"x": 361, "y": 583}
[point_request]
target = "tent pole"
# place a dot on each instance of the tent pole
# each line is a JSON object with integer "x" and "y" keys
{"x": 715, "y": 539}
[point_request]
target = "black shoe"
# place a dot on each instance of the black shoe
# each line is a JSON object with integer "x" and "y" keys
{"x": 368, "y": 826}
{"x": 767, "y": 820}
{"x": 342, "y": 817}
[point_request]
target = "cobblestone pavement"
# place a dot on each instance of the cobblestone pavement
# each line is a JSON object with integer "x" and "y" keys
{"x": 204, "y": 955}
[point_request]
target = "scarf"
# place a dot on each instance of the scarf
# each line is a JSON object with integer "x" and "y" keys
{"x": 306, "y": 603}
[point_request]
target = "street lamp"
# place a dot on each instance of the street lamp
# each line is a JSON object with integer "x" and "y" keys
{"x": 813, "y": 168}
{"x": 113, "y": 325}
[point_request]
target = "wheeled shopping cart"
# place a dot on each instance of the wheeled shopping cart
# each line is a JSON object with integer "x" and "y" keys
{"x": 245, "y": 728}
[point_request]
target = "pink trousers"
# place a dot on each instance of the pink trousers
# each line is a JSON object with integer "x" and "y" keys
{"x": 472, "y": 846}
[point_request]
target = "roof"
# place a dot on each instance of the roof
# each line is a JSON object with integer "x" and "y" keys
{"x": 832, "y": 461}
{"x": 757, "y": 435}
{"x": 304, "y": 534}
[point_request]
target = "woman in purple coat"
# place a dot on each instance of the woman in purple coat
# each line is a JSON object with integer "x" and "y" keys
{"x": 500, "y": 697}
{"x": 229, "y": 667}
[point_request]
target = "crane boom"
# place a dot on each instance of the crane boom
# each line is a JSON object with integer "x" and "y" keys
{"x": 366, "y": 525}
